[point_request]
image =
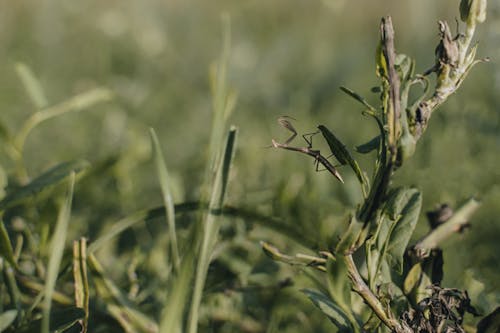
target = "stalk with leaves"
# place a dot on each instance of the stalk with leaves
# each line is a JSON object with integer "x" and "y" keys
{"x": 394, "y": 279}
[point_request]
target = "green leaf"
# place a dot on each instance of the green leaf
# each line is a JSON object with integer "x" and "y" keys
{"x": 6, "y": 246}
{"x": 347, "y": 242}
{"x": 338, "y": 282}
{"x": 357, "y": 97}
{"x": 60, "y": 320}
{"x": 405, "y": 67}
{"x": 211, "y": 226}
{"x": 490, "y": 323}
{"x": 51, "y": 177}
{"x": 465, "y": 9}
{"x": 57, "y": 248}
{"x": 331, "y": 309}
{"x": 168, "y": 202}
{"x": 180, "y": 286}
{"x": 341, "y": 153}
{"x": 403, "y": 209}
{"x": 350, "y": 238}
{"x": 369, "y": 146}
{"x": 74, "y": 104}
{"x": 7, "y": 318}
{"x": 339, "y": 287}
{"x": 412, "y": 278}
{"x": 372, "y": 323}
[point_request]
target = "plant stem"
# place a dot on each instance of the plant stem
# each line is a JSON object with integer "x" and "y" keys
{"x": 364, "y": 291}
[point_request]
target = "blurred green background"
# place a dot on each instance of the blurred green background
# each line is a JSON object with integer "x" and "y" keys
{"x": 287, "y": 58}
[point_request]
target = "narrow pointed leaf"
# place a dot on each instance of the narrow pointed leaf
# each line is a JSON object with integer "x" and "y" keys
{"x": 349, "y": 240}
{"x": 404, "y": 210}
{"x": 338, "y": 283}
{"x": 164, "y": 179}
{"x": 51, "y": 177}
{"x": 332, "y": 310}
{"x": 357, "y": 97}
{"x": 74, "y": 104}
{"x": 211, "y": 227}
{"x": 412, "y": 278}
{"x": 57, "y": 248}
{"x": 369, "y": 146}
{"x": 341, "y": 153}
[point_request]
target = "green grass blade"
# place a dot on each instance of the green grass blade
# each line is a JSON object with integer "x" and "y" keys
{"x": 76, "y": 103}
{"x": 211, "y": 229}
{"x": 58, "y": 241}
{"x": 223, "y": 100}
{"x": 163, "y": 177}
{"x": 51, "y": 177}
{"x": 32, "y": 86}
{"x": 369, "y": 146}
{"x": 179, "y": 289}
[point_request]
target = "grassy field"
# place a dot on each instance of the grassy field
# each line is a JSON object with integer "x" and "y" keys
{"x": 108, "y": 72}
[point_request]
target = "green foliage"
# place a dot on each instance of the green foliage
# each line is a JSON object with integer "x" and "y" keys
{"x": 157, "y": 250}
{"x": 329, "y": 308}
{"x": 400, "y": 218}
{"x": 49, "y": 178}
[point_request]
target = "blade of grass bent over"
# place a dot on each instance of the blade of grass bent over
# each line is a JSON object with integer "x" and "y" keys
{"x": 58, "y": 241}
{"x": 75, "y": 103}
{"x": 163, "y": 177}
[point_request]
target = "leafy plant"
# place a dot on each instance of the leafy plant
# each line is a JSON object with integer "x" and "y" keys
{"x": 398, "y": 283}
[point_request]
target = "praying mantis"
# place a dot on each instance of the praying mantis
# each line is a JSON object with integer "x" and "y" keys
{"x": 315, "y": 153}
